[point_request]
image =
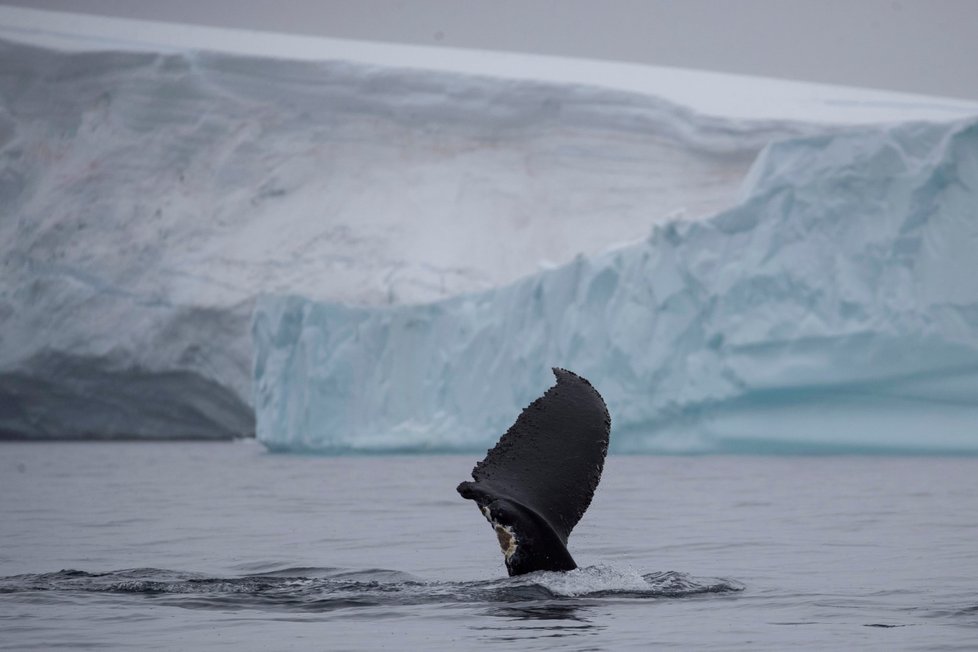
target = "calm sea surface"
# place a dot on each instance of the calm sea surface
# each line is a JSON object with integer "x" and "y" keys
{"x": 200, "y": 546}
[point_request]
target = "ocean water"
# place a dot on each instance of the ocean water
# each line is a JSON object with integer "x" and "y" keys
{"x": 226, "y": 546}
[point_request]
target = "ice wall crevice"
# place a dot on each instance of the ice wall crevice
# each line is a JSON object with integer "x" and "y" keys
{"x": 60, "y": 396}
{"x": 834, "y": 308}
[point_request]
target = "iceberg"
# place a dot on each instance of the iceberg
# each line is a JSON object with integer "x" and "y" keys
{"x": 155, "y": 179}
{"x": 147, "y": 196}
{"x": 833, "y": 308}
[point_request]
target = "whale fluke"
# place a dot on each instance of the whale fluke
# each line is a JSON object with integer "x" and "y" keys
{"x": 537, "y": 481}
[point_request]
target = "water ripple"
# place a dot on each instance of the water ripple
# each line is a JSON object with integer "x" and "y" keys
{"x": 324, "y": 589}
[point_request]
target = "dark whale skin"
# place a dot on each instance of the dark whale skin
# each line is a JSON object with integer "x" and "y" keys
{"x": 536, "y": 483}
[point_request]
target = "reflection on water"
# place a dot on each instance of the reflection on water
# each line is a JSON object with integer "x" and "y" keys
{"x": 539, "y": 620}
{"x": 542, "y": 611}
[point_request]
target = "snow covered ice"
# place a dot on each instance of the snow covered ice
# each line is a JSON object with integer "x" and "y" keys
{"x": 148, "y": 198}
{"x": 156, "y": 179}
{"x": 834, "y": 308}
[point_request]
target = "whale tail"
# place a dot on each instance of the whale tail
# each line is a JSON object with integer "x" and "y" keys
{"x": 536, "y": 483}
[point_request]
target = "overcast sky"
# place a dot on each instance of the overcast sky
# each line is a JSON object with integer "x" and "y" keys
{"x": 922, "y": 46}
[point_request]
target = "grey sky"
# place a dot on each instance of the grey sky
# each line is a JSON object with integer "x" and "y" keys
{"x": 922, "y": 46}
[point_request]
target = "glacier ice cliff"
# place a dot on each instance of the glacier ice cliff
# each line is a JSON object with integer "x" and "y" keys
{"x": 147, "y": 197}
{"x": 834, "y": 308}
{"x": 151, "y": 188}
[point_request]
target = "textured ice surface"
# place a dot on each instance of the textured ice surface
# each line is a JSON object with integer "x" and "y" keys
{"x": 151, "y": 187}
{"x": 834, "y": 308}
{"x": 145, "y": 199}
